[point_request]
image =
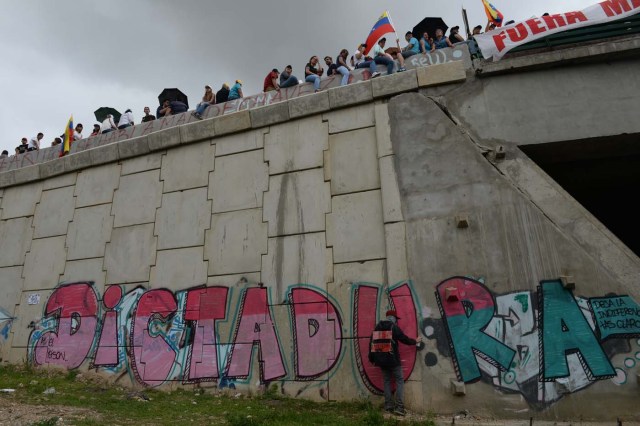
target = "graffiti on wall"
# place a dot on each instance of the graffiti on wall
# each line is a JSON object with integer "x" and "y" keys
{"x": 5, "y": 325}
{"x": 158, "y": 335}
{"x": 540, "y": 344}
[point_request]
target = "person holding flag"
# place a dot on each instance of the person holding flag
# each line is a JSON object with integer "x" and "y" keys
{"x": 382, "y": 26}
{"x": 67, "y": 138}
{"x": 493, "y": 15}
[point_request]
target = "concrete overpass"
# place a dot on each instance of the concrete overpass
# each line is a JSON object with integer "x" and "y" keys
{"x": 172, "y": 252}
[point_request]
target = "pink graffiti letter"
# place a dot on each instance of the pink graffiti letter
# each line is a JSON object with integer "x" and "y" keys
{"x": 107, "y": 352}
{"x": 75, "y": 306}
{"x": 153, "y": 357}
{"x": 317, "y": 333}
{"x": 204, "y": 306}
{"x": 255, "y": 327}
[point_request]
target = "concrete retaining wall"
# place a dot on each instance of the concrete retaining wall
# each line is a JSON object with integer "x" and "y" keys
{"x": 262, "y": 246}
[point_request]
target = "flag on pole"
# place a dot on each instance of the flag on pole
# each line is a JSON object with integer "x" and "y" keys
{"x": 68, "y": 138}
{"x": 380, "y": 28}
{"x": 493, "y": 14}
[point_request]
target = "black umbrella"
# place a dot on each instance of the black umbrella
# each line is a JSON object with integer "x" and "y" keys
{"x": 173, "y": 95}
{"x": 101, "y": 114}
{"x": 429, "y": 25}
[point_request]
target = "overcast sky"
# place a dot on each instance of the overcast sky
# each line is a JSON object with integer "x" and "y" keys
{"x": 68, "y": 57}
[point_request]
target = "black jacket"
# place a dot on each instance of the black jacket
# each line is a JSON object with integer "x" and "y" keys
{"x": 397, "y": 336}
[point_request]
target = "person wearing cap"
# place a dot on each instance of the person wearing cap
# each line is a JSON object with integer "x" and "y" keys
{"x": 222, "y": 95}
{"x": 236, "y": 91}
{"x": 477, "y": 30}
{"x": 392, "y": 370}
{"x": 286, "y": 79}
{"x": 271, "y": 81}
{"x": 454, "y": 35}
{"x": 209, "y": 98}
{"x": 441, "y": 41}
{"x": 147, "y": 115}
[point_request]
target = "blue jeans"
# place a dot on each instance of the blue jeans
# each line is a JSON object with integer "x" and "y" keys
{"x": 345, "y": 75}
{"x": 396, "y": 373}
{"x": 291, "y": 81}
{"x": 383, "y": 60}
{"x": 201, "y": 107}
{"x": 370, "y": 64}
{"x": 313, "y": 79}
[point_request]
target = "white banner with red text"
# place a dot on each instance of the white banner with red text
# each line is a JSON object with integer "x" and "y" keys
{"x": 496, "y": 43}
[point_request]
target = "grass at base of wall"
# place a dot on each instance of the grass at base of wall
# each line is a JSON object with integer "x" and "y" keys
{"x": 88, "y": 400}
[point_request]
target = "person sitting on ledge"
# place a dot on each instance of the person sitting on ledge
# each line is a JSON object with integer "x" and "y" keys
{"x": 22, "y": 148}
{"x": 426, "y": 44}
{"x": 126, "y": 120}
{"x": 271, "y": 81}
{"x": 236, "y": 91}
{"x": 441, "y": 41}
{"x": 56, "y": 141}
{"x": 312, "y": 72}
{"x": 359, "y": 60}
{"x": 34, "y": 143}
{"x": 286, "y": 79}
{"x": 223, "y": 94}
{"x": 96, "y": 130}
{"x": 147, "y": 116}
{"x": 108, "y": 125}
{"x": 343, "y": 69}
{"x": 454, "y": 35}
{"x": 383, "y": 58}
{"x": 413, "y": 48}
{"x": 209, "y": 98}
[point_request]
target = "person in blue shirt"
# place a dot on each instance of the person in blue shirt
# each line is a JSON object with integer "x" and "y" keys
{"x": 236, "y": 91}
{"x": 441, "y": 41}
{"x": 413, "y": 48}
{"x": 426, "y": 43}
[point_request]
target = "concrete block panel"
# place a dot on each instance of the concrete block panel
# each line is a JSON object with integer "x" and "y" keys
{"x": 237, "y": 280}
{"x": 96, "y": 185}
{"x": 19, "y": 201}
{"x": 8, "y": 178}
{"x": 27, "y": 174}
{"x": 373, "y": 271}
{"x": 164, "y": 139}
{"x": 179, "y": 269}
{"x": 26, "y": 313}
{"x": 351, "y": 94}
{"x": 44, "y": 263}
{"x": 240, "y": 142}
{"x": 68, "y": 179}
{"x": 395, "y": 83}
{"x": 136, "y": 199}
{"x": 188, "y": 166}
{"x": 396, "y": 244}
{"x": 183, "y": 218}
{"x": 52, "y": 168}
{"x": 85, "y": 270}
{"x": 197, "y": 131}
{"x": 354, "y": 161}
{"x": 297, "y": 202}
{"x": 89, "y": 232}
{"x": 238, "y": 181}
{"x": 133, "y": 147}
{"x": 10, "y": 288}
{"x": 270, "y": 114}
{"x": 308, "y": 104}
{"x": 142, "y": 164}
{"x": 391, "y": 207}
{"x": 104, "y": 154}
{"x": 130, "y": 254}
{"x": 450, "y": 72}
{"x": 54, "y": 212}
{"x": 236, "y": 242}
{"x": 297, "y": 259}
{"x": 77, "y": 161}
{"x": 296, "y": 145}
{"x": 350, "y": 119}
{"x": 355, "y": 228}
{"x": 15, "y": 240}
{"x": 383, "y": 130}
{"x": 232, "y": 123}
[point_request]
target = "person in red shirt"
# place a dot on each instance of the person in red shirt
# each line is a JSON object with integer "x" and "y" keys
{"x": 271, "y": 81}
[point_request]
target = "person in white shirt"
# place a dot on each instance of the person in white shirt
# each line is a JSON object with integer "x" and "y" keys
{"x": 126, "y": 119}
{"x": 77, "y": 134}
{"x": 358, "y": 60}
{"x": 108, "y": 124}
{"x": 34, "y": 142}
{"x": 382, "y": 57}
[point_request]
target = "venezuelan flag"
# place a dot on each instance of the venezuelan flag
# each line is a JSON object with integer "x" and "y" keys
{"x": 493, "y": 14}
{"x": 380, "y": 28}
{"x": 68, "y": 138}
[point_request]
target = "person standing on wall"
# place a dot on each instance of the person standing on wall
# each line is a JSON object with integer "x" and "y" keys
{"x": 383, "y": 353}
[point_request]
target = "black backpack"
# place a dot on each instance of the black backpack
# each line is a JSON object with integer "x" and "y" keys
{"x": 381, "y": 345}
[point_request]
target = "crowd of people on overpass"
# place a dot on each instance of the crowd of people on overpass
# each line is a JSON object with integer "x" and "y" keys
{"x": 276, "y": 80}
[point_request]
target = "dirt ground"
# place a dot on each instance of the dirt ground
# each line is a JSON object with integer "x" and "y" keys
{"x": 17, "y": 414}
